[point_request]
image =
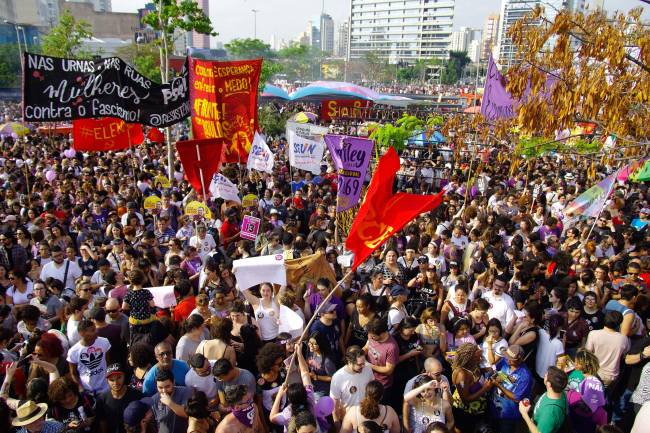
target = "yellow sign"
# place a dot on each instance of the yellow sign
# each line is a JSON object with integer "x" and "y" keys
{"x": 198, "y": 209}
{"x": 153, "y": 202}
{"x": 162, "y": 181}
{"x": 249, "y": 200}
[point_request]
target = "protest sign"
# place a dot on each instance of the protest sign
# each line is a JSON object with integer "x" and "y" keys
{"x": 56, "y": 89}
{"x": 153, "y": 203}
{"x": 249, "y": 200}
{"x": 250, "y": 226}
{"x": 260, "y": 157}
{"x": 256, "y": 270}
{"x": 351, "y": 156}
{"x": 332, "y": 109}
{"x": 105, "y": 134}
{"x": 306, "y": 146}
{"x": 163, "y": 296}
{"x": 222, "y": 187}
{"x": 198, "y": 209}
{"x": 223, "y": 99}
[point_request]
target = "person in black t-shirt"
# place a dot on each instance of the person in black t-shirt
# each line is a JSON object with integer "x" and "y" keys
{"x": 112, "y": 403}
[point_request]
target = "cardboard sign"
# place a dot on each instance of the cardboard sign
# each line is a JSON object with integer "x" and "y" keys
{"x": 249, "y": 200}
{"x": 153, "y": 202}
{"x": 198, "y": 209}
{"x": 250, "y": 226}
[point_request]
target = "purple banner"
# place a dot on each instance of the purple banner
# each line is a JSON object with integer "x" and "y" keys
{"x": 497, "y": 102}
{"x": 351, "y": 156}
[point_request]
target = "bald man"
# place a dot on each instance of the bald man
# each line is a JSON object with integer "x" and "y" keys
{"x": 115, "y": 316}
{"x": 433, "y": 369}
{"x": 165, "y": 357}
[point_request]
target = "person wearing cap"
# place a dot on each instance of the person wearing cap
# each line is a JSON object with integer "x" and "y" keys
{"x": 551, "y": 409}
{"x": 327, "y": 326}
{"x": 116, "y": 255}
{"x": 112, "y": 404}
{"x": 138, "y": 417}
{"x": 200, "y": 376}
{"x": 30, "y": 418}
{"x": 513, "y": 382}
{"x": 12, "y": 255}
{"x": 397, "y": 311}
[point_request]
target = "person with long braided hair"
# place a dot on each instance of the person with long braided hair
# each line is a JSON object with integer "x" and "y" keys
{"x": 469, "y": 401}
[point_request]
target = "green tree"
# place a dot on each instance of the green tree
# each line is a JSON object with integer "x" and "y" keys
{"x": 454, "y": 67}
{"x": 297, "y": 61}
{"x": 168, "y": 17}
{"x": 10, "y": 66}
{"x": 66, "y": 38}
{"x": 143, "y": 57}
{"x": 272, "y": 122}
{"x": 248, "y": 49}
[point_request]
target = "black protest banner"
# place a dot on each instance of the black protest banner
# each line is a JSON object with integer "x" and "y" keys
{"x": 56, "y": 89}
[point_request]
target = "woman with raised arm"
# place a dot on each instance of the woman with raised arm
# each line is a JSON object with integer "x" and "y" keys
{"x": 267, "y": 311}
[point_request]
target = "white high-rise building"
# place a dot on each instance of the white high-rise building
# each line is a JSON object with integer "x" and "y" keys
{"x": 513, "y": 10}
{"x": 327, "y": 34}
{"x": 342, "y": 39}
{"x": 490, "y": 35}
{"x": 474, "y": 51}
{"x": 405, "y": 30}
{"x": 98, "y": 5}
{"x": 460, "y": 39}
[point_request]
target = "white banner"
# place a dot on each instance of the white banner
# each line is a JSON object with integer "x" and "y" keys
{"x": 255, "y": 270}
{"x": 260, "y": 157}
{"x": 306, "y": 146}
{"x": 163, "y": 296}
{"x": 222, "y": 187}
{"x": 290, "y": 322}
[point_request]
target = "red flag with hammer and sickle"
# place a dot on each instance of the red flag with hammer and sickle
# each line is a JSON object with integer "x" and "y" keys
{"x": 382, "y": 213}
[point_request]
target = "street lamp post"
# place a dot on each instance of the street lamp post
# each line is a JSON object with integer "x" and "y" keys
{"x": 255, "y": 11}
{"x": 17, "y": 41}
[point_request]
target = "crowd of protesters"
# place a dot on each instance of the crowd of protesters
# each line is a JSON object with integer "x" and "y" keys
{"x": 494, "y": 312}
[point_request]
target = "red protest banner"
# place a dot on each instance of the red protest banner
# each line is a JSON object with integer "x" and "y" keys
{"x": 344, "y": 108}
{"x": 223, "y": 97}
{"x": 104, "y": 134}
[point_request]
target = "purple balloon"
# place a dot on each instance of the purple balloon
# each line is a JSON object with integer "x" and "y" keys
{"x": 50, "y": 175}
{"x": 69, "y": 153}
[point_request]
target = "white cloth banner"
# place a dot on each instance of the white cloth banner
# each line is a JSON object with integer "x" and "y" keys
{"x": 163, "y": 296}
{"x": 306, "y": 146}
{"x": 290, "y": 322}
{"x": 260, "y": 157}
{"x": 255, "y": 270}
{"x": 222, "y": 187}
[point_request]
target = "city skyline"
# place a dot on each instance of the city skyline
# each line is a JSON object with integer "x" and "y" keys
{"x": 295, "y": 15}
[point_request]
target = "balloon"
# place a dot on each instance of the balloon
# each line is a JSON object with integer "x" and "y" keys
{"x": 324, "y": 407}
{"x": 69, "y": 153}
{"x": 50, "y": 175}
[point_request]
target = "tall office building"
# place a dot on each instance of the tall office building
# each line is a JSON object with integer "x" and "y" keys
{"x": 200, "y": 40}
{"x": 405, "y": 30}
{"x": 460, "y": 39}
{"x": 98, "y": 5}
{"x": 313, "y": 33}
{"x": 474, "y": 50}
{"x": 342, "y": 37}
{"x": 490, "y": 35}
{"x": 513, "y": 10}
{"x": 327, "y": 34}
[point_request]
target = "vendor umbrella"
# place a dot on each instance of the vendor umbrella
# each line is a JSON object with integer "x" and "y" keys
{"x": 13, "y": 129}
{"x": 303, "y": 117}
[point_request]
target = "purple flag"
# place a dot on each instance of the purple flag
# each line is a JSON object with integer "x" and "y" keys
{"x": 497, "y": 103}
{"x": 351, "y": 156}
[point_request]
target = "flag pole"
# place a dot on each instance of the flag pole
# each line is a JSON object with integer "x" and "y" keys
{"x": 314, "y": 315}
{"x": 611, "y": 187}
{"x": 198, "y": 158}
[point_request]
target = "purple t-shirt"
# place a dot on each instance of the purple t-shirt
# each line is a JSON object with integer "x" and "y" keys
{"x": 315, "y": 300}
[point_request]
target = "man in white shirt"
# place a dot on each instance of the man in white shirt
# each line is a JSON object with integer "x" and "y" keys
{"x": 348, "y": 385}
{"x": 200, "y": 376}
{"x": 501, "y": 304}
{"x": 131, "y": 208}
{"x": 63, "y": 270}
{"x": 203, "y": 241}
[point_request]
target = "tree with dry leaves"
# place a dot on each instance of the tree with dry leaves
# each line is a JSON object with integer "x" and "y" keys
{"x": 601, "y": 67}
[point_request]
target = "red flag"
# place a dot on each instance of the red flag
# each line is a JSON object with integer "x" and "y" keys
{"x": 223, "y": 99}
{"x": 104, "y": 134}
{"x": 201, "y": 159}
{"x": 155, "y": 135}
{"x": 383, "y": 214}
